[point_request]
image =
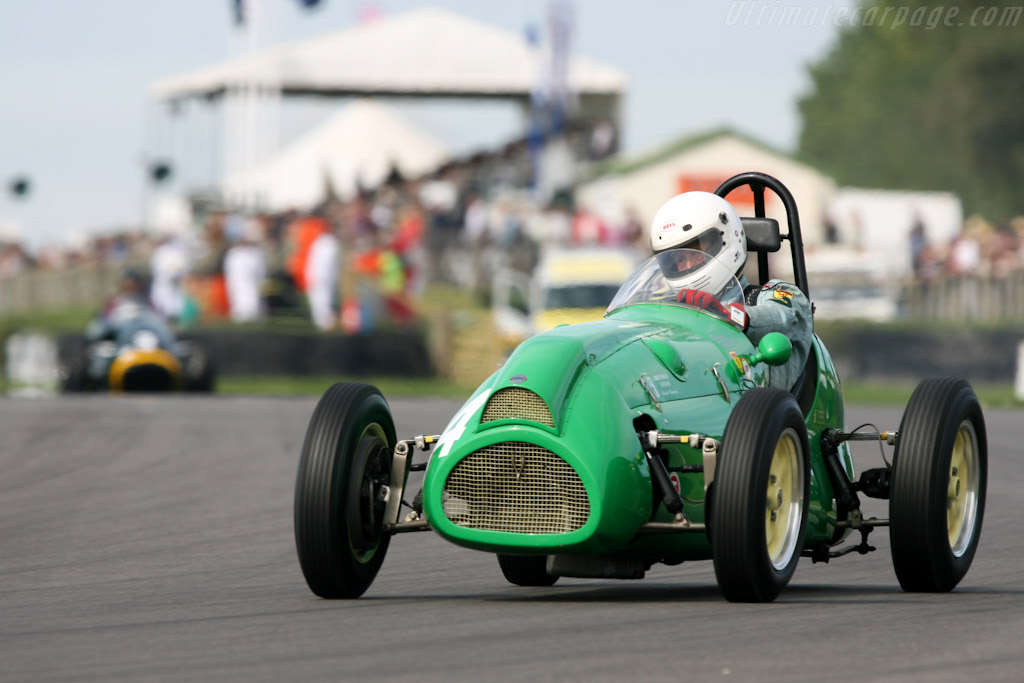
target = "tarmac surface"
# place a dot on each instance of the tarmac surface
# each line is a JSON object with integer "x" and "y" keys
{"x": 150, "y": 538}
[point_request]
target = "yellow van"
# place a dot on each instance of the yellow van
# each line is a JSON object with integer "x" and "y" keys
{"x": 568, "y": 286}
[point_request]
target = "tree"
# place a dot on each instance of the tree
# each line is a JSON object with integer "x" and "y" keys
{"x": 921, "y": 108}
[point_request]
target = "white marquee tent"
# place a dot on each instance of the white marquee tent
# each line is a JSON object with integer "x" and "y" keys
{"x": 427, "y": 52}
{"x": 358, "y": 146}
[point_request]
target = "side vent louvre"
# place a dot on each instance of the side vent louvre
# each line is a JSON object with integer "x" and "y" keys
{"x": 519, "y": 404}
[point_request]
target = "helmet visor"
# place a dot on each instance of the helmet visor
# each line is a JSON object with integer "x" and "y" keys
{"x": 677, "y": 263}
{"x": 709, "y": 241}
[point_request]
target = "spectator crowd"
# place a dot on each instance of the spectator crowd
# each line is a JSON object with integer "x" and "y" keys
{"x": 980, "y": 250}
{"x": 353, "y": 264}
{"x": 359, "y": 263}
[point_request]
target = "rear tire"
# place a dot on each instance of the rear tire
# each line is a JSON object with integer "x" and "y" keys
{"x": 762, "y": 489}
{"x": 200, "y": 373}
{"x": 346, "y": 459}
{"x": 937, "y": 499}
{"x": 526, "y": 570}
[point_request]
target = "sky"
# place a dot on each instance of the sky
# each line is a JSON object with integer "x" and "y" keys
{"x": 75, "y": 118}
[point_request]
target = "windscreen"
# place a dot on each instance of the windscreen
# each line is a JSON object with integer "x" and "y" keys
{"x": 127, "y": 329}
{"x": 661, "y": 278}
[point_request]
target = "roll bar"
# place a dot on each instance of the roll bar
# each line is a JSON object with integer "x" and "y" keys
{"x": 758, "y": 182}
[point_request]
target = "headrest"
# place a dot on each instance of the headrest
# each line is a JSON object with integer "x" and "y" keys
{"x": 762, "y": 234}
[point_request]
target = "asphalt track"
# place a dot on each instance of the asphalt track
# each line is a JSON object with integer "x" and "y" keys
{"x": 151, "y": 539}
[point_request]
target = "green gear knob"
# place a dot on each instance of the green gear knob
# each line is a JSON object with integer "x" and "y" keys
{"x": 773, "y": 349}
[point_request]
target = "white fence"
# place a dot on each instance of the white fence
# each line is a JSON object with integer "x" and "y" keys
{"x": 968, "y": 299}
{"x": 46, "y": 290}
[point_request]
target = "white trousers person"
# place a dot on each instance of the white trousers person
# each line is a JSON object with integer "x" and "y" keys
{"x": 245, "y": 268}
{"x": 169, "y": 266}
{"x": 322, "y": 272}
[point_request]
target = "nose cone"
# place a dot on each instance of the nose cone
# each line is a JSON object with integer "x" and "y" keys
{"x": 514, "y": 482}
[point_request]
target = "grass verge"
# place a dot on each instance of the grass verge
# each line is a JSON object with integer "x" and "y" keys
{"x": 48, "y": 322}
{"x": 898, "y": 393}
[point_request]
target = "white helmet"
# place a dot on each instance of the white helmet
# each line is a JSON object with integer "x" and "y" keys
{"x": 705, "y": 222}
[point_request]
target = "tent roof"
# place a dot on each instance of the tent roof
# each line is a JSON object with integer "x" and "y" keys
{"x": 430, "y": 51}
{"x": 357, "y": 147}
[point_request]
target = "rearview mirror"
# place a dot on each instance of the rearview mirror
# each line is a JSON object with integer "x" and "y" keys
{"x": 773, "y": 349}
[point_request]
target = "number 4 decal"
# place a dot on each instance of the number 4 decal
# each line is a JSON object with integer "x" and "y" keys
{"x": 453, "y": 432}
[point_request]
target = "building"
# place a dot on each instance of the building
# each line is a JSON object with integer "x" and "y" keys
{"x": 702, "y": 162}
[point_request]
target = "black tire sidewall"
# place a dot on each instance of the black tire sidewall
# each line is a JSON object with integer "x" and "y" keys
{"x": 71, "y": 354}
{"x": 201, "y": 380}
{"x": 739, "y": 549}
{"x": 922, "y": 557}
{"x": 322, "y": 492}
{"x": 72, "y": 376}
{"x": 526, "y": 570}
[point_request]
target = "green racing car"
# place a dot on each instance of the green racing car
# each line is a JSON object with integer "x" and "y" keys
{"x": 600, "y": 449}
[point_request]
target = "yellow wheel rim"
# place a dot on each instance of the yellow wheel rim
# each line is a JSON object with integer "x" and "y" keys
{"x": 962, "y": 489}
{"x": 784, "y": 497}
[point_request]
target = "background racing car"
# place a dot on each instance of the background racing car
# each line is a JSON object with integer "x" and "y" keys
{"x": 132, "y": 348}
{"x": 651, "y": 436}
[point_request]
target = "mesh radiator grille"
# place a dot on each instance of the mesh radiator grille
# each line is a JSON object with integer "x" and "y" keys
{"x": 518, "y": 403}
{"x": 516, "y": 487}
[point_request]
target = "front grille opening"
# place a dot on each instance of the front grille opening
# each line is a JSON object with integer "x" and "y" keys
{"x": 144, "y": 378}
{"x": 517, "y": 403}
{"x": 516, "y": 487}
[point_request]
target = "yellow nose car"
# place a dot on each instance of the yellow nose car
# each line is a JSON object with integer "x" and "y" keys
{"x": 133, "y": 349}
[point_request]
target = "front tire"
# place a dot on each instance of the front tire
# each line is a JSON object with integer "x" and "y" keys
{"x": 526, "y": 570}
{"x": 938, "y": 488}
{"x": 762, "y": 489}
{"x": 200, "y": 373}
{"x": 346, "y": 460}
{"x": 71, "y": 368}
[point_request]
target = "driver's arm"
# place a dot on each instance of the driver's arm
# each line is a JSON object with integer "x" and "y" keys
{"x": 782, "y": 307}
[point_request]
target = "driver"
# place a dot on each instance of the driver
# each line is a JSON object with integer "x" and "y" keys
{"x": 127, "y": 301}
{"x": 130, "y": 292}
{"x": 705, "y": 222}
